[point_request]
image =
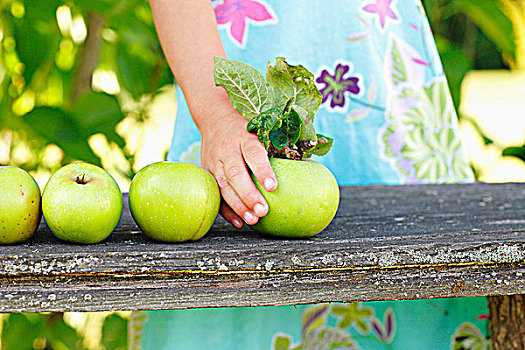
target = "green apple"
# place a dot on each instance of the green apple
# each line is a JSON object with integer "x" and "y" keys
{"x": 305, "y": 201}
{"x": 19, "y": 205}
{"x": 82, "y": 203}
{"x": 173, "y": 201}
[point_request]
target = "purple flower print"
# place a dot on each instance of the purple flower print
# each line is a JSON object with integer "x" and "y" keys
{"x": 237, "y": 13}
{"x": 382, "y": 9}
{"x": 387, "y": 331}
{"x": 337, "y": 84}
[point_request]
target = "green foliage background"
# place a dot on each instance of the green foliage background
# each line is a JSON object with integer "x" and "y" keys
{"x": 46, "y": 94}
{"x": 47, "y": 97}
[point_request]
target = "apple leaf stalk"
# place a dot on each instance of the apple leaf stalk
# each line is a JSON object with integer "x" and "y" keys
{"x": 281, "y": 108}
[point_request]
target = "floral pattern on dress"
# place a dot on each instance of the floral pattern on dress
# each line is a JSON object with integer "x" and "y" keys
{"x": 358, "y": 113}
{"x": 383, "y": 11}
{"x": 353, "y": 315}
{"x": 338, "y": 85}
{"x": 420, "y": 134}
{"x": 319, "y": 334}
{"x": 237, "y": 15}
{"x": 469, "y": 337}
{"x": 136, "y": 323}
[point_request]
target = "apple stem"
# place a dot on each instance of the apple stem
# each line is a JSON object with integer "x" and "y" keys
{"x": 81, "y": 180}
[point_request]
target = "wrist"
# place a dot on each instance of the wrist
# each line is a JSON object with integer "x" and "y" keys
{"x": 214, "y": 111}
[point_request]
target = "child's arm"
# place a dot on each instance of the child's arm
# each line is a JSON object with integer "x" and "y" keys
{"x": 188, "y": 33}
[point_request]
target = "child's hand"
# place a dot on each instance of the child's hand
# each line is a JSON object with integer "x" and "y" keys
{"x": 228, "y": 152}
{"x": 188, "y": 33}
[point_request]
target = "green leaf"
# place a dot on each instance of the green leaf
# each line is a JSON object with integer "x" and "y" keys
{"x": 288, "y": 125}
{"x": 263, "y": 123}
{"x": 307, "y": 130}
{"x": 518, "y": 152}
{"x": 245, "y": 86}
{"x": 294, "y": 82}
{"x": 324, "y": 144}
{"x": 493, "y": 22}
{"x": 96, "y": 112}
{"x": 19, "y": 333}
{"x": 115, "y": 333}
{"x": 56, "y": 126}
{"x": 289, "y": 132}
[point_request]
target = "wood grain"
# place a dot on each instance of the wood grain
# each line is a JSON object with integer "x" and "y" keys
{"x": 386, "y": 242}
{"x": 507, "y": 316}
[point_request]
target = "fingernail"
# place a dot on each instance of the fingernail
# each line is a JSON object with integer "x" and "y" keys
{"x": 260, "y": 210}
{"x": 237, "y": 223}
{"x": 248, "y": 217}
{"x": 269, "y": 184}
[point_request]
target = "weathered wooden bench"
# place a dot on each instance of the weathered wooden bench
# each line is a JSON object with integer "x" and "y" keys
{"x": 386, "y": 242}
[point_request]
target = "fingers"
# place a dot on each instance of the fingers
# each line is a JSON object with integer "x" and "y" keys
{"x": 232, "y": 207}
{"x": 239, "y": 191}
{"x": 228, "y": 159}
{"x": 229, "y": 215}
{"x": 257, "y": 159}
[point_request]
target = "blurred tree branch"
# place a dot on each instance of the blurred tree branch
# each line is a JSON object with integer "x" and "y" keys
{"x": 89, "y": 56}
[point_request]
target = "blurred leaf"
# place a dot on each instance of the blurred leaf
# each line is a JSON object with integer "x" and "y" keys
{"x": 455, "y": 64}
{"x": 56, "y": 126}
{"x": 36, "y": 34}
{"x": 131, "y": 15}
{"x": 115, "y": 333}
{"x": 32, "y": 46}
{"x": 99, "y": 6}
{"x": 132, "y": 70}
{"x": 96, "y": 112}
{"x": 42, "y": 10}
{"x": 140, "y": 64}
{"x": 487, "y": 54}
{"x": 18, "y": 332}
{"x": 60, "y": 335}
{"x": 492, "y": 21}
{"x": 518, "y": 152}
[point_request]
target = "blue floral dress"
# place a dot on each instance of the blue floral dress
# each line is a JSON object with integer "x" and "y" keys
{"x": 386, "y": 104}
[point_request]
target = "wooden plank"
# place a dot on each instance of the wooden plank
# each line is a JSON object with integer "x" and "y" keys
{"x": 386, "y": 242}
